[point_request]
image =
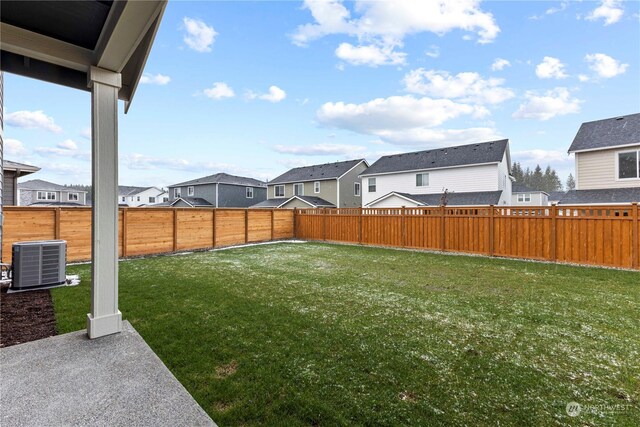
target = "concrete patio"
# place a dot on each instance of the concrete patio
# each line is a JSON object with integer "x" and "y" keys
{"x": 112, "y": 381}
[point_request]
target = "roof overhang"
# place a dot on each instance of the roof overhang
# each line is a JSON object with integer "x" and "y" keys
{"x": 394, "y": 194}
{"x": 426, "y": 169}
{"x": 612, "y": 147}
{"x": 59, "y": 41}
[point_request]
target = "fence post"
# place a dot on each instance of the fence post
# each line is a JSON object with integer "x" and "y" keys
{"x": 442, "y": 228}
{"x": 554, "y": 232}
{"x": 403, "y": 224}
{"x": 246, "y": 226}
{"x": 272, "y": 225}
{"x": 635, "y": 237}
{"x": 124, "y": 232}
{"x": 215, "y": 225}
{"x": 175, "y": 229}
{"x": 360, "y": 225}
{"x": 57, "y": 224}
{"x": 491, "y": 230}
{"x": 324, "y": 224}
{"x": 295, "y": 223}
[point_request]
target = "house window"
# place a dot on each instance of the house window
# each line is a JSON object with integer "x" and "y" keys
{"x": 138, "y": 198}
{"x": 249, "y": 192}
{"x": 124, "y": 199}
{"x": 152, "y": 199}
{"x": 73, "y": 197}
{"x": 298, "y": 189}
{"x": 279, "y": 190}
{"x": 165, "y": 199}
{"x": 629, "y": 165}
{"x": 522, "y": 198}
{"x": 356, "y": 189}
{"x": 176, "y": 192}
{"x": 46, "y": 195}
{"x": 191, "y": 191}
{"x": 422, "y": 179}
{"x": 316, "y": 187}
{"x": 372, "y": 185}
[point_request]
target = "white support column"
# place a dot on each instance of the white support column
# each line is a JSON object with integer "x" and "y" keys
{"x": 105, "y": 318}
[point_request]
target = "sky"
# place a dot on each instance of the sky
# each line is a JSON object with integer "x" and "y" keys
{"x": 256, "y": 88}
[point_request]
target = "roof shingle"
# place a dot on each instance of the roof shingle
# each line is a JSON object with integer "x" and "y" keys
{"x": 485, "y": 152}
{"x": 223, "y": 178}
{"x": 612, "y": 132}
{"x": 316, "y": 172}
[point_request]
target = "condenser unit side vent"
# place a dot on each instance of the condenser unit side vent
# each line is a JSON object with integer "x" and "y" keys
{"x": 39, "y": 264}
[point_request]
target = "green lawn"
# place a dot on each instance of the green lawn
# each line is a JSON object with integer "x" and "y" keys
{"x": 299, "y": 334}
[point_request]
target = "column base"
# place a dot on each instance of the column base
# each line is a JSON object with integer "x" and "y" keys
{"x": 104, "y": 325}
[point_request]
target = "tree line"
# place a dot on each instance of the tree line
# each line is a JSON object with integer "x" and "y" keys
{"x": 536, "y": 179}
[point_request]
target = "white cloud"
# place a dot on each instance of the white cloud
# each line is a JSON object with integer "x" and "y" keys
{"x": 552, "y": 10}
{"x": 275, "y": 94}
{"x": 542, "y": 156}
{"x": 67, "y": 148}
{"x": 395, "y": 112}
{"x": 199, "y": 36}
{"x": 32, "y": 120}
{"x": 72, "y": 172}
{"x": 499, "y": 64}
{"x": 137, "y": 161}
{"x": 550, "y": 68}
{"x": 86, "y": 133}
{"x": 63, "y": 152}
{"x": 555, "y": 102}
{"x": 219, "y": 90}
{"x": 68, "y": 144}
{"x": 370, "y": 55}
{"x": 609, "y": 10}
{"x": 320, "y": 149}
{"x": 385, "y": 24}
{"x": 155, "y": 79}
{"x": 405, "y": 120}
{"x": 583, "y": 78}
{"x": 14, "y": 147}
{"x": 605, "y": 66}
{"x": 468, "y": 87}
{"x": 433, "y": 52}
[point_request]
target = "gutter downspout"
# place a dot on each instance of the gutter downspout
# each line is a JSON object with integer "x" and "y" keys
{"x": 217, "y": 184}
{"x": 338, "y": 181}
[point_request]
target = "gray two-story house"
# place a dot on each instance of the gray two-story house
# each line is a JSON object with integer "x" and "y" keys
{"x": 220, "y": 190}
{"x": 327, "y": 185}
{"x": 38, "y": 192}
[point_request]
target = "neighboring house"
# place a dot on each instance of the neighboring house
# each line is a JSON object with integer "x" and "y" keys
{"x": 139, "y": 196}
{"x": 521, "y": 195}
{"x": 326, "y": 185}
{"x": 220, "y": 190}
{"x": 607, "y": 156}
{"x": 475, "y": 174}
{"x": 37, "y": 192}
{"x": 12, "y": 171}
{"x": 555, "y": 197}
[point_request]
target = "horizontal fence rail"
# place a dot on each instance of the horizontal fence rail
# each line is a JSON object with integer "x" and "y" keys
{"x": 146, "y": 231}
{"x": 596, "y": 235}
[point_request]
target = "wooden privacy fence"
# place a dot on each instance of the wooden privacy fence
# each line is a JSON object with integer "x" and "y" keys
{"x": 146, "y": 231}
{"x": 598, "y": 235}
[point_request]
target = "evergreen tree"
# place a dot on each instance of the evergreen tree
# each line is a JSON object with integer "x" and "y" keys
{"x": 571, "y": 183}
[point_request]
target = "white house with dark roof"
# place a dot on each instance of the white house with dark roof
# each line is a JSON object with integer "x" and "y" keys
{"x": 220, "y": 190}
{"x": 327, "y": 185}
{"x": 37, "y": 192}
{"x": 474, "y": 174}
{"x": 140, "y": 196}
{"x": 607, "y": 156}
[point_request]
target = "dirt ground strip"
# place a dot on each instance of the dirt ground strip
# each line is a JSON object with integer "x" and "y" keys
{"x": 26, "y": 316}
